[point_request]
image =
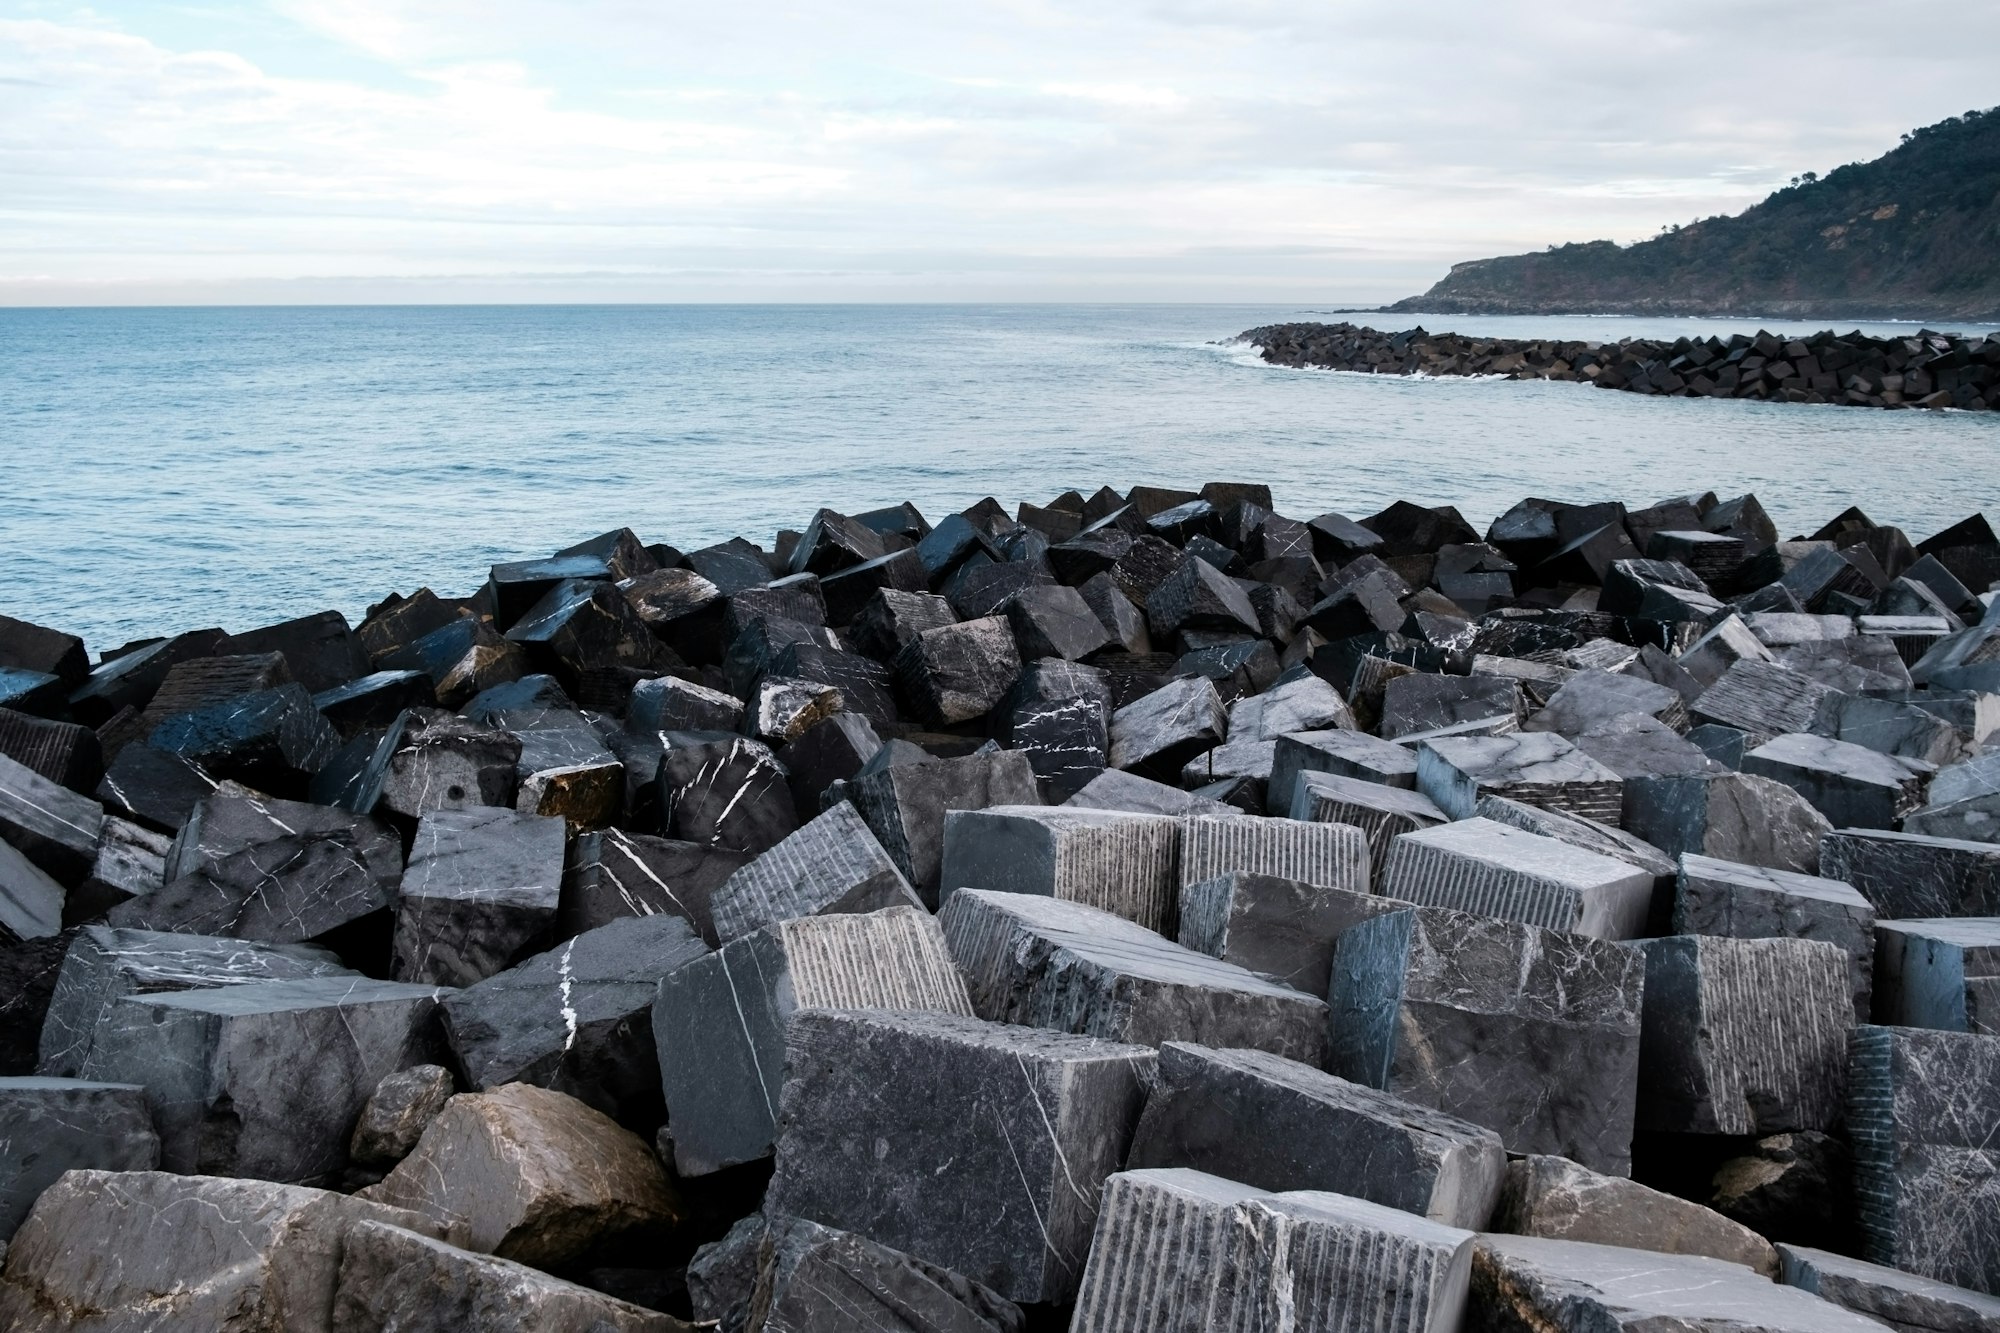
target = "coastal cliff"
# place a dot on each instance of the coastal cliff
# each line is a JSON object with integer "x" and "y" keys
{"x": 1914, "y": 234}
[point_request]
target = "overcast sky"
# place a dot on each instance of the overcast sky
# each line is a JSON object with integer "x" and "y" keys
{"x": 1252, "y": 150}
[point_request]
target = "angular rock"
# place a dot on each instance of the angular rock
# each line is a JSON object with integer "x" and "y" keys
{"x": 1318, "y": 853}
{"x": 720, "y": 1022}
{"x": 1197, "y": 595}
{"x": 1305, "y": 1259}
{"x": 131, "y": 862}
{"x": 1941, "y": 973}
{"x": 893, "y": 618}
{"x": 32, "y": 905}
{"x": 52, "y": 826}
{"x": 614, "y": 874}
{"x": 1059, "y": 715}
{"x": 63, "y": 752}
{"x": 52, "y": 1125}
{"x": 958, "y": 672}
{"x": 539, "y": 1177}
{"x": 1762, "y": 698}
{"x": 1423, "y": 703}
{"x": 1296, "y": 703}
{"x": 392, "y": 1277}
{"x": 482, "y": 883}
{"x": 1924, "y": 1117}
{"x": 1380, "y": 812}
{"x": 1122, "y": 862}
{"x": 151, "y": 1250}
{"x": 781, "y": 708}
{"x": 1155, "y": 735}
{"x": 1974, "y": 820}
{"x": 1285, "y": 929}
{"x": 1744, "y": 1036}
{"x": 1055, "y": 621}
{"x": 153, "y": 787}
{"x": 1348, "y": 754}
{"x": 1887, "y": 726}
{"x": 1900, "y": 1300}
{"x": 104, "y": 965}
{"x": 1798, "y": 1185}
{"x": 819, "y": 1279}
{"x": 1491, "y": 869}
{"x": 1048, "y": 963}
{"x": 1315, "y": 1132}
{"x": 397, "y": 1112}
{"x": 1114, "y": 790}
{"x": 728, "y": 794}
{"x": 1571, "y": 1286}
{"x": 1593, "y": 837}
{"x": 577, "y": 1019}
{"x": 1910, "y": 875}
{"x": 272, "y": 739}
{"x": 1529, "y": 1032}
{"x": 672, "y": 704}
{"x": 1554, "y": 1198}
{"x": 1753, "y": 902}
{"x": 222, "y": 1067}
{"x": 374, "y": 700}
{"x": 447, "y": 763}
{"x": 907, "y": 806}
{"x": 1854, "y": 787}
{"x": 831, "y": 864}
{"x": 1534, "y": 768}
{"x": 990, "y": 1160}
{"x": 1736, "y": 817}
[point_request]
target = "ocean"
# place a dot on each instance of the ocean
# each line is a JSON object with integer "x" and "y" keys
{"x": 167, "y": 469}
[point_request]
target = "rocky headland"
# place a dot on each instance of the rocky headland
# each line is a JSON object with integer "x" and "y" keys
{"x": 1142, "y": 911}
{"x": 1925, "y": 369}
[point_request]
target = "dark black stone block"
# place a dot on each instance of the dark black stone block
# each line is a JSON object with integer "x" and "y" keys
{"x": 865, "y": 685}
{"x": 613, "y": 874}
{"x": 732, "y": 566}
{"x": 374, "y": 700}
{"x": 26, "y": 646}
{"x": 732, "y": 794}
{"x": 1054, "y": 621}
{"x": 153, "y": 787}
{"x": 517, "y": 585}
{"x": 829, "y": 751}
{"x": 129, "y": 681}
{"x": 848, "y": 591}
{"x": 320, "y": 650}
{"x": 273, "y": 739}
{"x": 63, "y": 752}
{"x": 1059, "y": 715}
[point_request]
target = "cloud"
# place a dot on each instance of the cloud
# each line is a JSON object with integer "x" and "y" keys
{"x": 1205, "y": 148}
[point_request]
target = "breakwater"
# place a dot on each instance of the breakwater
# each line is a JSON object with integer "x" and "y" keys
{"x": 1925, "y": 369}
{"x": 909, "y": 924}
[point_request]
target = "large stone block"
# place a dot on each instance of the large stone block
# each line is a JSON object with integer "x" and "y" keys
{"x": 1529, "y": 1032}
{"x": 1728, "y": 816}
{"x": 1315, "y": 1131}
{"x": 1573, "y": 1286}
{"x": 1537, "y": 768}
{"x": 732, "y": 794}
{"x": 1940, "y": 973}
{"x": 1049, "y": 963}
{"x": 1380, "y": 812}
{"x": 223, "y": 1069}
{"x": 1887, "y": 726}
{"x": 1123, "y": 862}
{"x": 1285, "y": 929}
{"x": 481, "y": 885}
{"x": 1744, "y": 1036}
{"x": 110, "y": 1251}
{"x": 1179, "y": 1250}
{"x": 1348, "y": 754}
{"x": 810, "y": 1278}
{"x": 1059, "y": 715}
{"x": 832, "y": 864}
{"x": 1910, "y": 875}
{"x": 1297, "y": 703}
{"x": 1900, "y": 1300}
{"x": 954, "y": 673}
{"x": 988, "y": 1158}
{"x": 1555, "y": 1198}
{"x": 105, "y": 964}
{"x": 1762, "y": 698}
{"x": 907, "y": 805}
{"x": 31, "y": 904}
{"x": 1115, "y": 790}
{"x": 720, "y": 1022}
{"x": 1491, "y": 869}
{"x": 446, "y": 763}
{"x": 1924, "y": 1116}
{"x": 272, "y": 739}
{"x": 1854, "y": 787}
{"x": 1424, "y": 703}
{"x": 392, "y": 1277}
{"x": 538, "y": 1176}
{"x": 52, "y": 826}
{"x": 1331, "y": 854}
{"x": 577, "y": 1019}
{"x": 1753, "y": 902}
{"x": 614, "y": 874}
{"x": 52, "y": 1125}
{"x": 1156, "y": 734}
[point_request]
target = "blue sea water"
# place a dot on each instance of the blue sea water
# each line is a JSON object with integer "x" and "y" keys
{"x": 164, "y": 469}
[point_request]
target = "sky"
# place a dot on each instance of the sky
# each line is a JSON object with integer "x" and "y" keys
{"x": 1017, "y": 150}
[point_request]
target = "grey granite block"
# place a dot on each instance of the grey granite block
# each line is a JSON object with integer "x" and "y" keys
{"x": 1888, "y": 726}
{"x": 1116, "y": 790}
{"x": 447, "y": 763}
{"x": 906, "y": 805}
{"x": 1571, "y": 1286}
{"x": 1529, "y": 1032}
{"x": 1728, "y": 816}
{"x": 1725, "y": 643}
{"x": 1492, "y": 869}
{"x": 1315, "y": 1131}
{"x": 1426, "y": 703}
{"x": 1924, "y": 1116}
{"x": 614, "y": 874}
{"x": 1285, "y": 929}
{"x": 1537, "y": 768}
{"x": 51, "y": 825}
{"x": 988, "y": 1160}
{"x": 1939, "y": 973}
{"x": 104, "y": 964}
{"x": 1854, "y": 787}
{"x": 1911, "y": 875}
{"x": 1616, "y": 843}
{"x": 719, "y": 1023}
{"x": 1347, "y": 754}
{"x": 1121, "y": 861}
{"x": 1333, "y": 854}
{"x": 832, "y": 864}
{"x": 52, "y": 1125}
{"x": 817, "y": 1279}
{"x": 1901, "y": 1300}
{"x": 1744, "y": 1036}
{"x": 231, "y": 1091}
{"x": 1055, "y": 964}
{"x": 1753, "y": 902}
{"x": 1380, "y": 812}
{"x": 31, "y": 903}
{"x": 1157, "y": 733}
{"x": 482, "y": 883}
{"x": 1589, "y": 699}
{"x": 1301, "y": 703}
{"x": 1762, "y": 698}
